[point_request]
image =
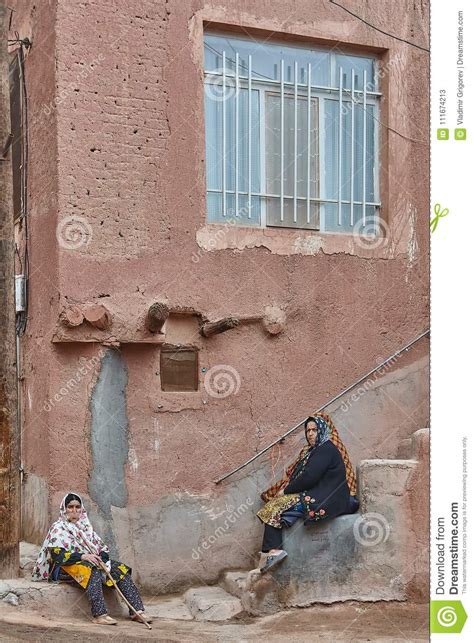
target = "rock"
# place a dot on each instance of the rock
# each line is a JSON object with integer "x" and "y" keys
{"x": 235, "y": 582}
{"x": 11, "y": 599}
{"x": 29, "y": 550}
{"x": 173, "y": 608}
{"x": 4, "y": 588}
{"x": 212, "y": 604}
{"x": 261, "y": 594}
{"x": 274, "y": 320}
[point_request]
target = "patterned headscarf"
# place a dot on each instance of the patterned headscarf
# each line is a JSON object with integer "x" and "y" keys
{"x": 326, "y": 431}
{"x": 77, "y": 537}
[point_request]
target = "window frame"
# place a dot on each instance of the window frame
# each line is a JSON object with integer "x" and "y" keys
{"x": 373, "y": 98}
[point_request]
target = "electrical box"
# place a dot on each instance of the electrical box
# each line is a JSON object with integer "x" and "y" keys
{"x": 20, "y": 293}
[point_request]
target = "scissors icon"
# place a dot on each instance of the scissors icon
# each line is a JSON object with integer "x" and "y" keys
{"x": 439, "y": 214}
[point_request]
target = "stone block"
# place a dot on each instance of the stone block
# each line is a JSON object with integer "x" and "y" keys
{"x": 212, "y": 604}
{"x": 173, "y": 608}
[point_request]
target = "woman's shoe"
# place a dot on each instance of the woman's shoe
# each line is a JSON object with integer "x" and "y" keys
{"x": 272, "y": 560}
{"x": 145, "y": 616}
{"x": 104, "y": 619}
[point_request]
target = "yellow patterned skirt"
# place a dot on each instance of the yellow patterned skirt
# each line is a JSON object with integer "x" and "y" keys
{"x": 270, "y": 513}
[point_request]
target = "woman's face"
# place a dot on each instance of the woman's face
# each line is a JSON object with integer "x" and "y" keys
{"x": 73, "y": 511}
{"x": 311, "y": 433}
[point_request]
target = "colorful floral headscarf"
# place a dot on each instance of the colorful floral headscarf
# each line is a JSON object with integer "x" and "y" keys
{"x": 326, "y": 431}
{"x": 77, "y": 537}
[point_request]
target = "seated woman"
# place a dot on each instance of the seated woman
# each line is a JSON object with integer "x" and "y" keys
{"x": 320, "y": 484}
{"x": 73, "y": 551}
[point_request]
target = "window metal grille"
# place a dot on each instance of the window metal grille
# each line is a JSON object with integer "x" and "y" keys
{"x": 291, "y": 136}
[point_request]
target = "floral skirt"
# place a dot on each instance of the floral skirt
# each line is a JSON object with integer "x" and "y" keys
{"x": 270, "y": 513}
{"x": 81, "y": 572}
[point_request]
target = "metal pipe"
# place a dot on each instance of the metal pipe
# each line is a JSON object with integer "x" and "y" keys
{"x": 364, "y": 149}
{"x": 336, "y": 397}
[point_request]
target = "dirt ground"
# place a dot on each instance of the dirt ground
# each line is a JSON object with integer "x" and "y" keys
{"x": 351, "y": 622}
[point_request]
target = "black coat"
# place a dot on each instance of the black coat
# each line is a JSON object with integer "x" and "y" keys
{"x": 322, "y": 485}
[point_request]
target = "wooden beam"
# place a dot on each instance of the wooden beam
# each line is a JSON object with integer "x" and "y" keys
{"x": 157, "y": 315}
{"x": 221, "y": 326}
{"x": 71, "y": 316}
{"x": 97, "y": 316}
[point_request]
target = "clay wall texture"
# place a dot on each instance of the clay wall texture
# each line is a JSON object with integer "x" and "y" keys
{"x": 117, "y": 141}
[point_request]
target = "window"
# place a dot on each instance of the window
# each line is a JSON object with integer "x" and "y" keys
{"x": 291, "y": 136}
{"x": 179, "y": 368}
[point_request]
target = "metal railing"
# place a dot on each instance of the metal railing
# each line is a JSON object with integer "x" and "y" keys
{"x": 321, "y": 408}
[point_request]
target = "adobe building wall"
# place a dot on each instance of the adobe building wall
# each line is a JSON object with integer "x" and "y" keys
{"x": 117, "y": 146}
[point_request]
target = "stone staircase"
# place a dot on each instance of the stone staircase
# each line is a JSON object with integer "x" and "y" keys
{"x": 377, "y": 554}
{"x": 380, "y": 553}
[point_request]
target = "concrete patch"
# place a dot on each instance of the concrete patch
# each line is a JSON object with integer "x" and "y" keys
{"x": 109, "y": 439}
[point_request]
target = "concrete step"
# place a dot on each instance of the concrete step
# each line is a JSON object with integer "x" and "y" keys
{"x": 169, "y": 607}
{"x": 55, "y": 599}
{"x": 212, "y": 603}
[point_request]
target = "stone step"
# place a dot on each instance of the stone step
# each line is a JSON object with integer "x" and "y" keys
{"x": 169, "y": 607}
{"x": 55, "y": 599}
{"x": 212, "y": 603}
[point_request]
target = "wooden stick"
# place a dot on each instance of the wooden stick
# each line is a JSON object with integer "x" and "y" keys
{"x": 102, "y": 566}
{"x": 109, "y": 575}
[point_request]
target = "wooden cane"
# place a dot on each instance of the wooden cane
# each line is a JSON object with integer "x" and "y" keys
{"x": 109, "y": 575}
{"x": 102, "y": 566}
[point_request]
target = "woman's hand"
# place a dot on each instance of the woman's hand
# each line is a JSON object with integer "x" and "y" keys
{"x": 91, "y": 558}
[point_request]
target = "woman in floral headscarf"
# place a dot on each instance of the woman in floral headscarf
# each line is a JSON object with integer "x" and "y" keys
{"x": 73, "y": 551}
{"x": 320, "y": 484}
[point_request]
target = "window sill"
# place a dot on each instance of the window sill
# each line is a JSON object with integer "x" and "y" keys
{"x": 285, "y": 241}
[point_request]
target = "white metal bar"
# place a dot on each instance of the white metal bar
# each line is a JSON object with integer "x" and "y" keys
{"x": 300, "y": 198}
{"x": 224, "y": 141}
{"x": 364, "y": 149}
{"x": 308, "y": 157}
{"x": 295, "y": 145}
{"x": 339, "y": 164}
{"x": 262, "y": 148}
{"x": 352, "y": 144}
{"x": 282, "y": 135}
{"x": 321, "y": 160}
{"x": 322, "y": 88}
{"x": 236, "y": 114}
{"x": 249, "y": 127}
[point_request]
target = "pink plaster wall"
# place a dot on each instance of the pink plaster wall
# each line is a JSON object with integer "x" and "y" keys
{"x": 123, "y": 149}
